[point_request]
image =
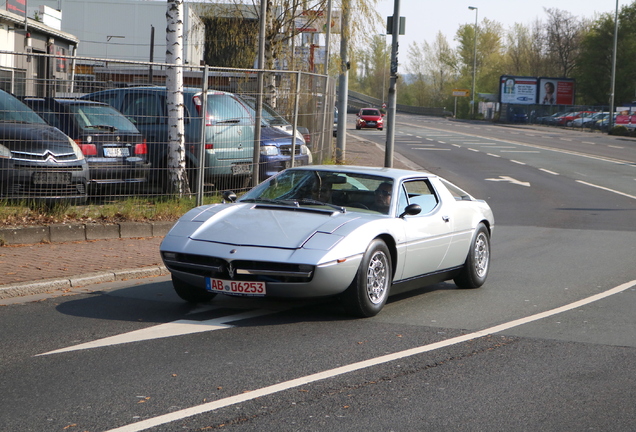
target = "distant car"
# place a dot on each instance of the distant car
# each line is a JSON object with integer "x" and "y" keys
{"x": 360, "y": 233}
{"x": 116, "y": 152}
{"x": 369, "y": 118}
{"x": 229, "y": 131}
{"x": 588, "y": 122}
{"x": 517, "y": 115}
{"x": 335, "y": 121}
{"x": 37, "y": 161}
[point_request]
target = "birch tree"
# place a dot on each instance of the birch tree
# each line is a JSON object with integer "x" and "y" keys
{"x": 177, "y": 179}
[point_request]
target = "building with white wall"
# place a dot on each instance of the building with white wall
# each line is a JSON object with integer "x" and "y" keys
{"x": 121, "y": 29}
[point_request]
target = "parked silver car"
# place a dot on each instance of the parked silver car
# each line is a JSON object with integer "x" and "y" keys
{"x": 360, "y": 233}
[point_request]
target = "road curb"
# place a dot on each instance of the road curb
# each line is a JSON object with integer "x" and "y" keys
{"x": 60, "y": 233}
{"x": 50, "y": 285}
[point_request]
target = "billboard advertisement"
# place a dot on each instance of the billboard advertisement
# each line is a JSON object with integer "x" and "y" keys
{"x": 518, "y": 90}
{"x": 556, "y": 91}
{"x": 17, "y": 6}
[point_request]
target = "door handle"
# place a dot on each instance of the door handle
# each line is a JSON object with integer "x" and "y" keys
{"x": 446, "y": 218}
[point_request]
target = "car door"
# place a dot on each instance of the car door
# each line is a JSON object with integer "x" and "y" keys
{"x": 428, "y": 234}
{"x": 146, "y": 111}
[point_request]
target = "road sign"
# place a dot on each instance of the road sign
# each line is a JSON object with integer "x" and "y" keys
{"x": 461, "y": 93}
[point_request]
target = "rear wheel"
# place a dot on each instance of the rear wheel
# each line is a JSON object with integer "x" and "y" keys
{"x": 477, "y": 264}
{"x": 191, "y": 293}
{"x": 368, "y": 292}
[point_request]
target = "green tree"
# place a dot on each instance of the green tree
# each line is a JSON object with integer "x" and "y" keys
{"x": 594, "y": 68}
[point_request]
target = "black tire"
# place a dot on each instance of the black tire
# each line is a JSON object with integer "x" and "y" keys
{"x": 357, "y": 127}
{"x": 191, "y": 293}
{"x": 369, "y": 291}
{"x": 477, "y": 264}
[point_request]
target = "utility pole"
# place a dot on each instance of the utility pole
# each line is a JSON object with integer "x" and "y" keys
{"x": 343, "y": 88}
{"x": 390, "y": 123}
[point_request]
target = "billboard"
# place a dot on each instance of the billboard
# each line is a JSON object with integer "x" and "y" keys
{"x": 518, "y": 90}
{"x": 556, "y": 91}
{"x": 17, "y": 6}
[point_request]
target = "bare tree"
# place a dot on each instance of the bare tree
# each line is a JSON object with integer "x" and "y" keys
{"x": 564, "y": 33}
{"x": 174, "y": 87}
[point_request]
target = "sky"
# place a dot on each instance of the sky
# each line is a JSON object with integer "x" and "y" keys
{"x": 425, "y": 18}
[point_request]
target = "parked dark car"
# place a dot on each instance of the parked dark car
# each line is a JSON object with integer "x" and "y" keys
{"x": 37, "y": 161}
{"x": 276, "y": 141}
{"x": 229, "y": 131}
{"x": 517, "y": 115}
{"x": 116, "y": 152}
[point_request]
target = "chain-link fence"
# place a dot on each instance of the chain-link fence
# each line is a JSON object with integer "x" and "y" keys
{"x": 124, "y": 141}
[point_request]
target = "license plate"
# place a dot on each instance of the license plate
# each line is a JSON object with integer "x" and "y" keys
{"x": 116, "y": 152}
{"x": 242, "y": 288}
{"x": 241, "y": 169}
{"x": 49, "y": 178}
{"x": 371, "y": 123}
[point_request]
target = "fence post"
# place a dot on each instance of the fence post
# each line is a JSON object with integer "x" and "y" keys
{"x": 201, "y": 155}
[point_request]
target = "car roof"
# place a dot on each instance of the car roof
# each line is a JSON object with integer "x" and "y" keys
{"x": 396, "y": 174}
{"x": 160, "y": 89}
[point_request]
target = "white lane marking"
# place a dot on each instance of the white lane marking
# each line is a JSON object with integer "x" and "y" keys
{"x": 520, "y": 151}
{"x": 175, "y": 328}
{"x": 517, "y": 162}
{"x": 473, "y": 150}
{"x": 607, "y": 189}
{"x": 265, "y": 391}
{"x": 509, "y": 179}
{"x": 542, "y": 147}
{"x": 493, "y": 155}
{"x": 548, "y": 171}
{"x": 616, "y": 147}
{"x": 588, "y": 142}
{"x": 441, "y": 142}
{"x": 429, "y": 148}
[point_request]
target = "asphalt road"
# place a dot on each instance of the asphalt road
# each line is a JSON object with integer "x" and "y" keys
{"x": 547, "y": 344}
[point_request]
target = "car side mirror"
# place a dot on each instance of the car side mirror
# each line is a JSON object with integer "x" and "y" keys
{"x": 411, "y": 210}
{"x": 229, "y": 196}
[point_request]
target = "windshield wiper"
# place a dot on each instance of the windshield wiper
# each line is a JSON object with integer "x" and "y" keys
{"x": 288, "y": 202}
{"x": 316, "y": 202}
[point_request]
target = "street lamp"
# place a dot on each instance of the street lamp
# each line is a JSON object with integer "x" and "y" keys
{"x": 472, "y": 108}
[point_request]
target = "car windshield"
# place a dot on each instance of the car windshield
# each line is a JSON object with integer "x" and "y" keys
{"x": 370, "y": 112}
{"x": 269, "y": 116}
{"x": 14, "y": 111}
{"x": 342, "y": 190}
{"x": 101, "y": 118}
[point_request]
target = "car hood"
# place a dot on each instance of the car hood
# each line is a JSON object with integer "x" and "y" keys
{"x": 263, "y": 225}
{"x": 33, "y": 137}
{"x": 275, "y": 136}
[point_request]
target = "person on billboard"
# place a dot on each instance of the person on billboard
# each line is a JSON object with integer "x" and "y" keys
{"x": 548, "y": 99}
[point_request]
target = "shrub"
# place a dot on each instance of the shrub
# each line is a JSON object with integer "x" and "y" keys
{"x": 619, "y": 131}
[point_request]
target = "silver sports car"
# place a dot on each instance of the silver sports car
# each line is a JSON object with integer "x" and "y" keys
{"x": 356, "y": 232}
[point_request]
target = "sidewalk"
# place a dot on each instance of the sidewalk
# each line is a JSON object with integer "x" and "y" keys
{"x": 66, "y": 260}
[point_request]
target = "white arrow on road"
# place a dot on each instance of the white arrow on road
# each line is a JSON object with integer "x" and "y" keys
{"x": 509, "y": 179}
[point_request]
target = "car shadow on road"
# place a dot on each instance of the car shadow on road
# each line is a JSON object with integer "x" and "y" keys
{"x": 156, "y": 302}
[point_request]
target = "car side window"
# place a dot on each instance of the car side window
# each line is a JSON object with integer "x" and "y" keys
{"x": 457, "y": 193}
{"x": 143, "y": 108}
{"x": 422, "y": 193}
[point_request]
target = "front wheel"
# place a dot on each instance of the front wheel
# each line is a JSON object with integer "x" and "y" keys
{"x": 368, "y": 292}
{"x": 477, "y": 264}
{"x": 191, "y": 293}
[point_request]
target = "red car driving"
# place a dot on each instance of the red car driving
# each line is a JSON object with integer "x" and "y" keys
{"x": 370, "y": 118}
